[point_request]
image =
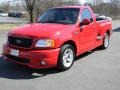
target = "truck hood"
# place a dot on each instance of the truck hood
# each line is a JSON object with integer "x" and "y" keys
{"x": 39, "y": 30}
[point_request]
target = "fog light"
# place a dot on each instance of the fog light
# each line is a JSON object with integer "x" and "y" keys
{"x": 43, "y": 62}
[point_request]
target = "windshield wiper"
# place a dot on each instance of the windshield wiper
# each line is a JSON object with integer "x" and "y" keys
{"x": 54, "y": 22}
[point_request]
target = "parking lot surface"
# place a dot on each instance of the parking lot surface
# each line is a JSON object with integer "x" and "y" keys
{"x": 99, "y": 70}
{"x": 12, "y": 20}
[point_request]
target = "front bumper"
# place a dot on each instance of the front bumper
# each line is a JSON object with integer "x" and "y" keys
{"x": 33, "y": 58}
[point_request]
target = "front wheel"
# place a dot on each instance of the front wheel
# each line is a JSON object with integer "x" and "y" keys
{"x": 66, "y": 57}
{"x": 105, "y": 41}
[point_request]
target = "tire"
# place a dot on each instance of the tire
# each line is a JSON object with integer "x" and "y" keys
{"x": 66, "y": 57}
{"x": 105, "y": 41}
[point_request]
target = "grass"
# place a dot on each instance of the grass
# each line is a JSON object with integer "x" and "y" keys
{"x": 8, "y": 26}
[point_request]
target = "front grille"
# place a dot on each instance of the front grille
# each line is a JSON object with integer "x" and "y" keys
{"x": 20, "y": 42}
{"x": 18, "y": 59}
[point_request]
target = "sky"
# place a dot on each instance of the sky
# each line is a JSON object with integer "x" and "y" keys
{"x": 3, "y": 0}
{"x": 80, "y": 1}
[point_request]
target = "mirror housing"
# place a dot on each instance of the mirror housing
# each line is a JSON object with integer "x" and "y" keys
{"x": 85, "y": 22}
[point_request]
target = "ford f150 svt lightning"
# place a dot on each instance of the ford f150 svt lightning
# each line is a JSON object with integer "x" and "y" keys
{"x": 58, "y": 36}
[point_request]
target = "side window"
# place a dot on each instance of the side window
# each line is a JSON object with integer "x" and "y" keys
{"x": 86, "y": 14}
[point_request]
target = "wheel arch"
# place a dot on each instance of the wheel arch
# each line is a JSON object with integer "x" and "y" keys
{"x": 108, "y": 32}
{"x": 71, "y": 43}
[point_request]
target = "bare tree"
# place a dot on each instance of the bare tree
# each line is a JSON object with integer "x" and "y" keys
{"x": 115, "y": 7}
{"x": 41, "y": 5}
{"x": 5, "y": 6}
{"x": 30, "y": 8}
{"x": 111, "y": 8}
{"x": 37, "y": 7}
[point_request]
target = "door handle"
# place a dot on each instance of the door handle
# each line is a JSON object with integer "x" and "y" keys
{"x": 81, "y": 28}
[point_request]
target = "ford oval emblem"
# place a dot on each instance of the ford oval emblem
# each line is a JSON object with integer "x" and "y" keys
{"x": 18, "y": 41}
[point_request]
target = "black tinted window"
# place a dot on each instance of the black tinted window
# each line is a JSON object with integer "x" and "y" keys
{"x": 60, "y": 15}
{"x": 86, "y": 14}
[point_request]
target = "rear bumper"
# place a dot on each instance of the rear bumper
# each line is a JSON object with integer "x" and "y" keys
{"x": 33, "y": 58}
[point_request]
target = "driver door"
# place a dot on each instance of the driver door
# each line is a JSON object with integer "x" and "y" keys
{"x": 88, "y": 33}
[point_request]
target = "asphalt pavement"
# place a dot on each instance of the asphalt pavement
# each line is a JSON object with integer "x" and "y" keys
{"x": 98, "y": 70}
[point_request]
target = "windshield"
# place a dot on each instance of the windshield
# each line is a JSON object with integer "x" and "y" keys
{"x": 60, "y": 15}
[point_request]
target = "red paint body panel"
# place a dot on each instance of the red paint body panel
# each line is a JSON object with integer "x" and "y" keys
{"x": 36, "y": 56}
{"x": 84, "y": 37}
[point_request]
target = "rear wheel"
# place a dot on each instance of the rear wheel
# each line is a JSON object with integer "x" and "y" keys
{"x": 105, "y": 41}
{"x": 66, "y": 57}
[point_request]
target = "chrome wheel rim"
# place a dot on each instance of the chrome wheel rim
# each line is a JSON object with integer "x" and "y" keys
{"x": 68, "y": 57}
{"x": 106, "y": 41}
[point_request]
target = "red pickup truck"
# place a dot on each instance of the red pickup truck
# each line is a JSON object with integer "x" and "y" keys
{"x": 58, "y": 36}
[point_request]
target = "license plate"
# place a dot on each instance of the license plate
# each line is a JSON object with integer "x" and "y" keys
{"x": 14, "y": 52}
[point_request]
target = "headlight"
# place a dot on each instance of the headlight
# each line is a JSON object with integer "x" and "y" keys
{"x": 45, "y": 43}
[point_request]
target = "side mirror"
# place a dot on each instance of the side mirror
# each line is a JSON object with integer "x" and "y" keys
{"x": 85, "y": 22}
